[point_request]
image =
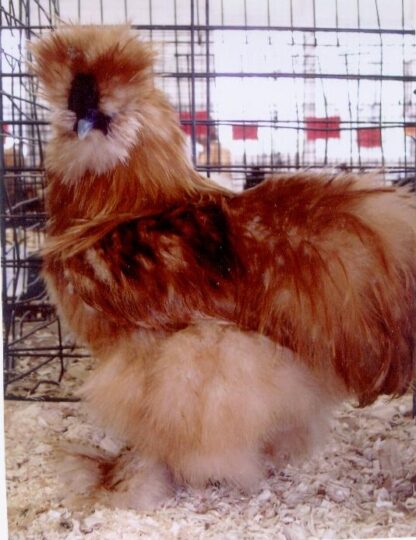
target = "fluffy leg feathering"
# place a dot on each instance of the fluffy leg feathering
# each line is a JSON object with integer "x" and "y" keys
{"x": 200, "y": 303}
{"x": 210, "y": 403}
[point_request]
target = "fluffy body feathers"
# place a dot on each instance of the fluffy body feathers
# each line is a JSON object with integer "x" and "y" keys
{"x": 226, "y": 325}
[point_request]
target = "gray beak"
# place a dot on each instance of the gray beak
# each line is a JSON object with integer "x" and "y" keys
{"x": 84, "y": 126}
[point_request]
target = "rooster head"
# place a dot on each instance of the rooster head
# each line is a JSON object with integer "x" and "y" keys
{"x": 98, "y": 82}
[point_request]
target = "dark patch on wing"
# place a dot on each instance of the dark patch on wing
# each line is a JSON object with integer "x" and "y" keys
{"x": 202, "y": 232}
{"x": 133, "y": 250}
{"x": 206, "y": 232}
{"x": 163, "y": 224}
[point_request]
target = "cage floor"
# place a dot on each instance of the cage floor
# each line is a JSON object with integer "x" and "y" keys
{"x": 47, "y": 375}
{"x": 362, "y": 484}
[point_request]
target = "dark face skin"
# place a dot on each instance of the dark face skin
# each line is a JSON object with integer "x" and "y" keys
{"x": 83, "y": 100}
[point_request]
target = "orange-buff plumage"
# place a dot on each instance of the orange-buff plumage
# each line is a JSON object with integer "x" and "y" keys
{"x": 225, "y": 326}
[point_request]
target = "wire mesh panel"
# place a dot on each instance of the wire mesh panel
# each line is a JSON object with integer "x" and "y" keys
{"x": 260, "y": 87}
{"x": 32, "y": 333}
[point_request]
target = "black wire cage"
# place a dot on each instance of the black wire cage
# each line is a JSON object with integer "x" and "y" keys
{"x": 260, "y": 86}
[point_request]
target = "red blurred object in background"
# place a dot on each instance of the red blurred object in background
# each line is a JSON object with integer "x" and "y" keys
{"x": 410, "y": 131}
{"x": 369, "y": 137}
{"x": 244, "y": 132}
{"x": 322, "y": 128}
{"x": 201, "y": 127}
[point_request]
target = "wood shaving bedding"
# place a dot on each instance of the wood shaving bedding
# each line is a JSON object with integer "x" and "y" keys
{"x": 362, "y": 484}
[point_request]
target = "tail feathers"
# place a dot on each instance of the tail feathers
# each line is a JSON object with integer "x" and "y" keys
{"x": 376, "y": 309}
{"x": 344, "y": 287}
{"x": 379, "y": 311}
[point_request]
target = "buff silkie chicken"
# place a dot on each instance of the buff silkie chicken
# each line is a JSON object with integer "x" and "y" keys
{"x": 226, "y": 327}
